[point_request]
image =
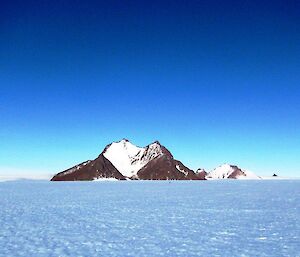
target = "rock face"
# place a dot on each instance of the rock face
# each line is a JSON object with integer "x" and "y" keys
{"x": 90, "y": 170}
{"x": 164, "y": 167}
{"x": 201, "y": 173}
{"x": 227, "y": 171}
{"x": 123, "y": 160}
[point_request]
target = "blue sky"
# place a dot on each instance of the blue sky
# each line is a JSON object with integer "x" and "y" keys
{"x": 213, "y": 81}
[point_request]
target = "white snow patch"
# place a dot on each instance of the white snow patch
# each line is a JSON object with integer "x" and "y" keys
{"x": 182, "y": 170}
{"x": 105, "y": 179}
{"x": 223, "y": 171}
{"x": 249, "y": 175}
{"x": 128, "y": 158}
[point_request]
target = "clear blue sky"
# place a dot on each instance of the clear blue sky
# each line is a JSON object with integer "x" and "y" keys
{"x": 214, "y": 81}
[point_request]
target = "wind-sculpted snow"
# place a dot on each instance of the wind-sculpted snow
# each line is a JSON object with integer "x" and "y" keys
{"x": 139, "y": 218}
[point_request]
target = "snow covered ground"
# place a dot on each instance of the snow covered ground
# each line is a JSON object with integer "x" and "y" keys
{"x": 147, "y": 218}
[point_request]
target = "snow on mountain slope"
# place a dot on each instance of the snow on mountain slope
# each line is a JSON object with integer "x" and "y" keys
{"x": 249, "y": 175}
{"x": 181, "y": 170}
{"x": 105, "y": 179}
{"x": 227, "y": 171}
{"x": 128, "y": 158}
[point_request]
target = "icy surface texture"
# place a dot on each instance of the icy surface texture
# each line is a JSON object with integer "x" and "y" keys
{"x": 136, "y": 218}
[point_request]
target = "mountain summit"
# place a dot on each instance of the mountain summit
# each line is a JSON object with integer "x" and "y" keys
{"x": 123, "y": 160}
{"x": 128, "y": 158}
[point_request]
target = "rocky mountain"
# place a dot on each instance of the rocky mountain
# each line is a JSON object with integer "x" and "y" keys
{"x": 123, "y": 160}
{"x": 227, "y": 171}
{"x": 201, "y": 173}
{"x": 90, "y": 170}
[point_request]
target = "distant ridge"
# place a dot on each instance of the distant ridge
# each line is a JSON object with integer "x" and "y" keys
{"x": 227, "y": 171}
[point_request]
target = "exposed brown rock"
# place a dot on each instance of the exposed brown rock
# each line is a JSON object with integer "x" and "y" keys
{"x": 166, "y": 168}
{"x": 201, "y": 174}
{"x": 90, "y": 170}
{"x": 236, "y": 173}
